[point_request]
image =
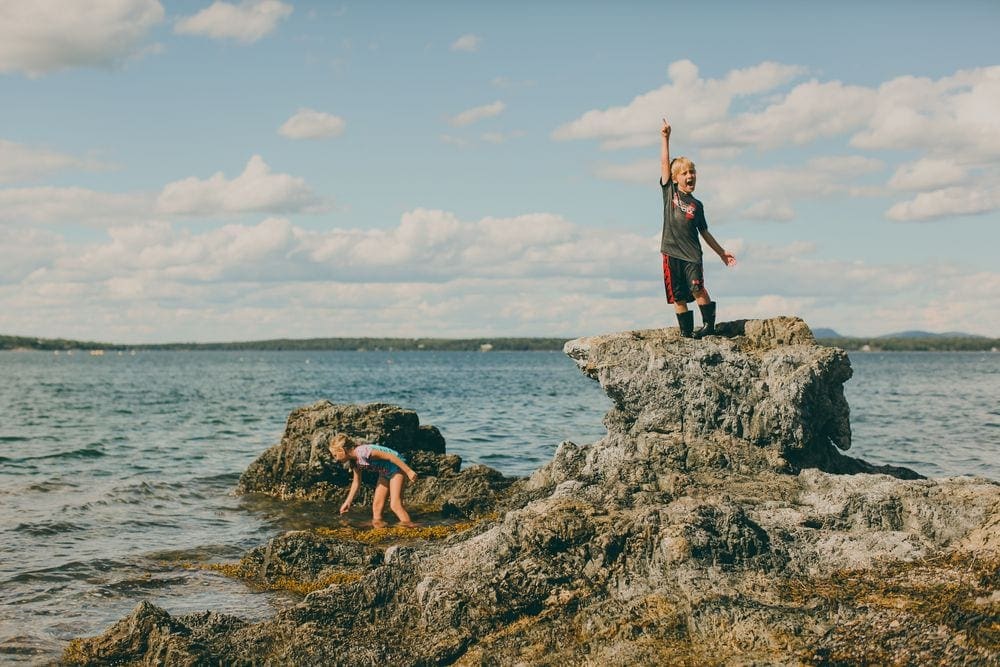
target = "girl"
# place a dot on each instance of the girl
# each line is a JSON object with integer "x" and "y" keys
{"x": 392, "y": 475}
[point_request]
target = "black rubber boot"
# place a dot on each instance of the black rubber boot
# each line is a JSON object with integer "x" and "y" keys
{"x": 686, "y": 322}
{"x": 707, "y": 320}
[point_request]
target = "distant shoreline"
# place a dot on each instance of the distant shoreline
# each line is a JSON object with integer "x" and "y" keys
{"x": 365, "y": 344}
{"x": 482, "y": 344}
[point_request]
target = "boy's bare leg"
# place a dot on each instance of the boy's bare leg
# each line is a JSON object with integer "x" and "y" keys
{"x": 378, "y": 502}
{"x": 396, "y": 499}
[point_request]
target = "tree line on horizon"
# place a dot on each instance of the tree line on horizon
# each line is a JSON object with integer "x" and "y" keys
{"x": 345, "y": 344}
{"x": 501, "y": 344}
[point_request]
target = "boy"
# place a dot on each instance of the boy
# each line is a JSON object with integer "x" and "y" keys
{"x": 683, "y": 220}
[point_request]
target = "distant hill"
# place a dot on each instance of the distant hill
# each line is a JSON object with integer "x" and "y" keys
{"x": 822, "y": 332}
{"x": 928, "y": 334}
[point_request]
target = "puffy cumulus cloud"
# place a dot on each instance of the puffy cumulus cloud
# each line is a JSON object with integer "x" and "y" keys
{"x": 25, "y": 250}
{"x": 311, "y": 124}
{"x": 256, "y": 189}
{"x": 47, "y": 35}
{"x": 808, "y": 112}
{"x": 431, "y": 274}
{"x": 475, "y": 114}
{"x": 436, "y": 274}
{"x": 782, "y": 280}
{"x": 953, "y": 117}
{"x": 78, "y": 206}
{"x": 468, "y": 43}
{"x": 435, "y": 245}
{"x": 949, "y": 123}
{"x": 733, "y": 192}
{"x": 947, "y": 202}
{"x": 245, "y": 22}
{"x": 689, "y": 101}
{"x": 928, "y": 174}
{"x": 24, "y": 163}
{"x": 155, "y": 253}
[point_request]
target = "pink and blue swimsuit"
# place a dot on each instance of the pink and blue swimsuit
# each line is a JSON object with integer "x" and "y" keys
{"x": 387, "y": 469}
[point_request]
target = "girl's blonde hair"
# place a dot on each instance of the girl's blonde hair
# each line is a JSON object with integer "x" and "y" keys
{"x": 678, "y": 164}
{"x": 341, "y": 442}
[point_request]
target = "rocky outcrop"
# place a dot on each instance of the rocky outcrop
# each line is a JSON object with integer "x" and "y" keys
{"x": 300, "y": 466}
{"x": 717, "y": 522}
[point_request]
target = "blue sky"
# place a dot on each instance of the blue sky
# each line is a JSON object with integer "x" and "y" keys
{"x": 197, "y": 171}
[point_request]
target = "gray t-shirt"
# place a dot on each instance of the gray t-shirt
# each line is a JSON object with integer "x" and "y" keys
{"x": 683, "y": 218}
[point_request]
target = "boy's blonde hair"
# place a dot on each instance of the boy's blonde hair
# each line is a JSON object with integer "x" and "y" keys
{"x": 340, "y": 442}
{"x": 678, "y": 164}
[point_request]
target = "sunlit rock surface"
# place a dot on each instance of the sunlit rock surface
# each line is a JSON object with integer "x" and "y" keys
{"x": 717, "y": 522}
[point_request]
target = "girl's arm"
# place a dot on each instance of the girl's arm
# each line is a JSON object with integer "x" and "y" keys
{"x": 398, "y": 462}
{"x": 355, "y": 485}
{"x": 727, "y": 258}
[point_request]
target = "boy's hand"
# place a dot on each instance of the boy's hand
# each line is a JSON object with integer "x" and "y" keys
{"x": 411, "y": 475}
{"x": 665, "y": 130}
{"x": 729, "y": 259}
{"x": 345, "y": 507}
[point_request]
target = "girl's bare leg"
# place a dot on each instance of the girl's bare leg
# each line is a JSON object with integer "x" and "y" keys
{"x": 396, "y": 485}
{"x": 378, "y": 502}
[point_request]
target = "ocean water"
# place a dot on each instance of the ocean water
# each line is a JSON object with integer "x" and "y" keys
{"x": 116, "y": 471}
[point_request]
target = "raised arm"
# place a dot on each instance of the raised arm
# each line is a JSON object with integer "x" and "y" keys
{"x": 727, "y": 258}
{"x": 665, "y": 153}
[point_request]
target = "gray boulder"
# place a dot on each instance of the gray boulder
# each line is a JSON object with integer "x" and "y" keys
{"x": 300, "y": 466}
{"x": 717, "y": 522}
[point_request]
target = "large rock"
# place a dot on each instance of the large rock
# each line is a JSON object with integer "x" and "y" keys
{"x": 716, "y": 523}
{"x": 300, "y": 466}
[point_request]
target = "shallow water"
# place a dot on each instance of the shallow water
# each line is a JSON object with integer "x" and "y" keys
{"x": 117, "y": 471}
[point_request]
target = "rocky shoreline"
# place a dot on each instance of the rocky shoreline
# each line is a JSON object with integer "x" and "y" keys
{"x": 717, "y": 522}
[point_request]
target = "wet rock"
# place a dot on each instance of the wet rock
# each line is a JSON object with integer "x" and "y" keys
{"x": 148, "y": 635}
{"x": 300, "y": 466}
{"x": 306, "y": 557}
{"x": 717, "y": 522}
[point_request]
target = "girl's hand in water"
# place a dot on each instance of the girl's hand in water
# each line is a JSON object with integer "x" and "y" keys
{"x": 345, "y": 507}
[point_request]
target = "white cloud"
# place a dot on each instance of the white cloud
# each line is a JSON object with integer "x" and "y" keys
{"x": 953, "y": 117}
{"x": 77, "y": 206}
{"x": 928, "y": 174}
{"x": 310, "y": 124}
{"x": 42, "y": 36}
{"x": 468, "y": 43}
{"x": 810, "y": 111}
{"x": 689, "y": 103}
{"x": 436, "y": 274}
{"x": 24, "y": 163}
{"x": 732, "y": 192}
{"x": 256, "y": 189}
{"x": 950, "y": 124}
{"x": 246, "y": 22}
{"x": 946, "y": 203}
{"x": 26, "y": 250}
{"x": 475, "y": 114}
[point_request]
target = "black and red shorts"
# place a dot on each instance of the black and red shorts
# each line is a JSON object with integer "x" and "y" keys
{"x": 682, "y": 279}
